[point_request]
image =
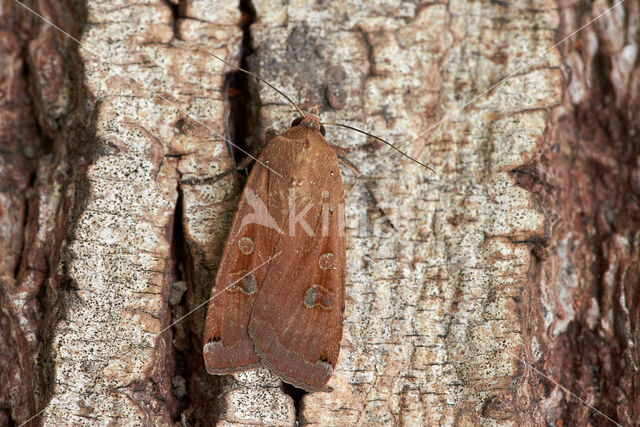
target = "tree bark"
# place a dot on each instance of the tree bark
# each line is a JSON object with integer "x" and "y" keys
{"x": 501, "y": 290}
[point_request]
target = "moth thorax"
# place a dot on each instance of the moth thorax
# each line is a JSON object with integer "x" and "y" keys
{"x": 311, "y": 121}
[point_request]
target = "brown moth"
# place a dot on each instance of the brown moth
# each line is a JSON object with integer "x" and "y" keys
{"x": 278, "y": 297}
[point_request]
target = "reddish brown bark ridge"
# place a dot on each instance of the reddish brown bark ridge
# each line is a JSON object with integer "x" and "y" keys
{"x": 582, "y": 323}
{"x": 115, "y": 205}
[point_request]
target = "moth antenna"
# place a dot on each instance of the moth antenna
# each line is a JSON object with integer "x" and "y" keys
{"x": 380, "y": 139}
{"x": 260, "y": 79}
{"x": 303, "y": 115}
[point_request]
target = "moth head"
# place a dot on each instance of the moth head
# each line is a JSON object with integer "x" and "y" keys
{"x": 310, "y": 121}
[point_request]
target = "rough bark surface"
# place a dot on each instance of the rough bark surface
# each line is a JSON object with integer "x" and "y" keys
{"x": 522, "y": 252}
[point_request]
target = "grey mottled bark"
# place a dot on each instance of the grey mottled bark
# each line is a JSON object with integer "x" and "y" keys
{"x": 117, "y": 193}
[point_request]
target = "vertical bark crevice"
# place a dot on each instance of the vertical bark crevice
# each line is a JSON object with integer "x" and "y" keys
{"x": 182, "y": 347}
{"x": 296, "y": 394}
{"x": 242, "y": 104}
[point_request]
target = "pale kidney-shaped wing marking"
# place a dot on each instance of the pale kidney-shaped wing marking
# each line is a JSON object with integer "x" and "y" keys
{"x": 296, "y": 322}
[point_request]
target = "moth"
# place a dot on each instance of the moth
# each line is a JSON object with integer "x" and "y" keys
{"x": 278, "y": 297}
{"x": 279, "y": 291}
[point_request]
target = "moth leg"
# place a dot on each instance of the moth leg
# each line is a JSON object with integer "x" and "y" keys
{"x": 340, "y": 151}
{"x": 357, "y": 173}
{"x": 205, "y": 180}
{"x": 244, "y": 164}
{"x": 379, "y": 206}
